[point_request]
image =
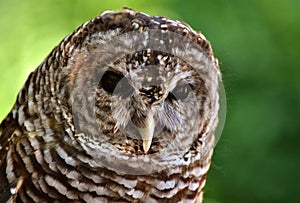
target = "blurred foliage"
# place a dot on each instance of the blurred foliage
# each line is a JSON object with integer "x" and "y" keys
{"x": 257, "y": 43}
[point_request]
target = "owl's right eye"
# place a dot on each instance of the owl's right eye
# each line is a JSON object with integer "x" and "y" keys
{"x": 115, "y": 83}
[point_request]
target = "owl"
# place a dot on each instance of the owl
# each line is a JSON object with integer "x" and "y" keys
{"x": 124, "y": 109}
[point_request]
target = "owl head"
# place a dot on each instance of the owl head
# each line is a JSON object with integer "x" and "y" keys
{"x": 144, "y": 92}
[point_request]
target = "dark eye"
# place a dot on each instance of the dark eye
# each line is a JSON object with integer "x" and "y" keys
{"x": 180, "y": 92}
{"x": 115, "y": 83}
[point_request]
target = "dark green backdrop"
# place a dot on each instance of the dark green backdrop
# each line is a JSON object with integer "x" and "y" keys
{"x": 258, "y": 46}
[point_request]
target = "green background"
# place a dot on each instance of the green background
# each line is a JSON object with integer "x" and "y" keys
{"x": 258, "y": 46}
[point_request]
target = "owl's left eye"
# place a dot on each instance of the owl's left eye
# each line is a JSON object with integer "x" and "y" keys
{"x": 180, "y": 92}
{"x": 115, "y": 83}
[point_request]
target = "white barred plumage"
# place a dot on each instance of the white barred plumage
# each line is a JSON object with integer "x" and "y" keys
{"x": 124, "y": 109}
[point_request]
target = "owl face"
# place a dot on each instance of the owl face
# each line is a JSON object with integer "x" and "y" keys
{"x": 142, "y": 91}
{"x": 150, "y": 103}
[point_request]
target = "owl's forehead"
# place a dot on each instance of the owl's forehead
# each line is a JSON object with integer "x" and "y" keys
{"x": 151, "y": 67}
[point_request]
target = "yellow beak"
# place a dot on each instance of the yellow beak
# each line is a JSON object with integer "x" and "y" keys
{"x": 147, "y": 132}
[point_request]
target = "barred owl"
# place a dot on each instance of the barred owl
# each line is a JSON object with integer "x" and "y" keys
{"x": 124, "y": 109}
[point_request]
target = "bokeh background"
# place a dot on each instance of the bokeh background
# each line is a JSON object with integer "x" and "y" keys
{"x": 258, "y": 46}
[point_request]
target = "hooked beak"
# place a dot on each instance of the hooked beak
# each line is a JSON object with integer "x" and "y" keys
{"x": 147, "y": 132}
